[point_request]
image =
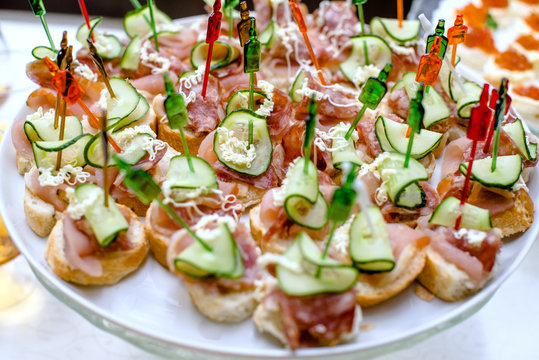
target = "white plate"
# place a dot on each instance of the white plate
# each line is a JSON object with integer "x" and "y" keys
{"x": 152, "y": 310}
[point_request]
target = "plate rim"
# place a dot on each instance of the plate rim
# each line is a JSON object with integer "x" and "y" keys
{"x": 454, "y": 316}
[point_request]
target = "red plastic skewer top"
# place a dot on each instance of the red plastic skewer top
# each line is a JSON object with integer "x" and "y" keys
{"x": 82, "y": 6}
{"x": 492, "y": 106}
{"x": 212, "y": 34}
{"x": 480, "y": 116}
{"x": 303, "y": 29}
{"x": 477, "y": 131}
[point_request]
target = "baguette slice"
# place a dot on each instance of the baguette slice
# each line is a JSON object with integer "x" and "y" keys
{"x": 446, "y": 281}
{"x": 268, "y": 318}
{"x": 158, "y": 242}
{"x": 373, "y": 289}
{"x": 24, "y": 164}
{"x": 40, "y": 215}
{"x": 116, "y": 264}
{"x": 517, "y": 219}
{"x": 228, "y": 305}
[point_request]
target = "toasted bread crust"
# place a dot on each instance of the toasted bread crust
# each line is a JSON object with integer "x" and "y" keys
{"x": 116, "y": 264}
{"x": 158, "y": 243}
{"x": 375, "y": 288}
{"x": 446, "y": 281}
{"x": 134, "y": 204}
{"x": 231, "y": 307}
{"x": 172, "y": 137}
{"x": 517, "y": 219}
{"x": 40, "y": 215}
{"x": 24, "y": 164}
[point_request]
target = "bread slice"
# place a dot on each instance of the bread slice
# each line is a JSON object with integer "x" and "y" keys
{"x": 116, "y": 264}
{"x": 172, "y": 137}
{"x": 517, "y": 219}
{"x": 24, "y": 164}
{"x": 268, "y": 319}
{"x": 158, "y": 242}
{"x": 40, "y": 215}
{"x": 374, "y": 288}
{"x": 446, "y": 281}
{"x": 230, "y": 307}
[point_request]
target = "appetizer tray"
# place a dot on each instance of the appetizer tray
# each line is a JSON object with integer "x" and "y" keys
{"x": 152, "y": 309}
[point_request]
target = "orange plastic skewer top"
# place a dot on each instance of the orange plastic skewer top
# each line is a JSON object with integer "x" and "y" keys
{"x": 400, "y": 12}
{"x": 303, "y": 29}
{"x": 456, "y": 35}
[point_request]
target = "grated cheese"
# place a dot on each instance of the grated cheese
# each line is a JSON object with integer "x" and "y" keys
{"x": 267, "y": 106}
{"x": 363, "y": 73}
{"x": 235, "y": 151}
{"x": 77, "y": 208}
{"x": 341, "y": 237}
{"x": 475, "y": 237}
{"x": 335, "y": 136}
{"x": 201, "y": 228}
{"x": 85, "y": 71}
{"x": 39, "y": 115}
{"x": 68, "y": 174}
{"x": 151, "y": 145}
{"x": 158, "y": 64}
{"x": 281, "y": 260}
{"x": 103, "y": 99}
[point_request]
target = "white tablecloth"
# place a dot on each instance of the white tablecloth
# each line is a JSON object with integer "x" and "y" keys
{"x": 41, "y": 327}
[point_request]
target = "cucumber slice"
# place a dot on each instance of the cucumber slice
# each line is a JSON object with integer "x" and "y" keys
{"x": 434, "y": 104}
{"x": 331, "y": 279}
{"x": 380, "y": 132}
{"x": 466, "y": 102}
{"x": 180, "y": 176}
{"x": 140, "y": 111}
{"x": 343, "y": 150}
{"x": 312, "y": 253}
{"x": 108, "y": 46}
{"x": 303, "y": 184}
{"x": 424, "y": 142}
{"x": 371, "y": 252}
{"x": 132, "y": 151}
{"x": 390, "y": 30}
{"x": 222, "y": 55}
{"x": 473, "y": 217}
{"x": 240, "y": 100}
{"x": 506, "y": 174}
{"x": 401, "y": 182}
{"x": 516, "y": 132}
{"x": 298, "y": 84}
{"x": 268, "y": 36}
{"x": 131, "y": 57}
{"x": 304, "y": 213}
{"x": 39, "y": 52}
{"x": 379, "y": 54}
{"x": 126, "y": 101}
{"x": 106, "y": 221}
{"x": 137, "y": 22}
{"x": 43, "y": 129}
{"x": 238, "y": 122}
{"x": 445, "y": 77}
{"x": 221, "y": 261}
{"x": 46, "y": 152}
{"x": 83, "y": 32}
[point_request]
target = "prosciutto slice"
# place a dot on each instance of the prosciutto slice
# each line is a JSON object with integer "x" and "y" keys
{"x": 476, "y": 261}
{"x": 317, "y": 320}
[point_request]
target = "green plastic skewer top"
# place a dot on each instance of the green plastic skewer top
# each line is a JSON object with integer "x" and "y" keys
{"x": 152, "y": 24}
{"x": 147, "y": 190}
{"x": 499, "y": 114}
{"x": 39, "y": 10}
{"x": 251, "y": 57}
{"x": 415, "y": 118}
{"x": 372, "y": 93}
{"x": 177, "y": 115}
{"x": 310, "y": 125}
{"x": 341, "y": 206}
{"x": 359, "y": 4}
{"x": 229, "y": 7}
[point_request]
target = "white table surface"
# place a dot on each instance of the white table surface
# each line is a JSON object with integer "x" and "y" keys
{"x": 41, "y": 327}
